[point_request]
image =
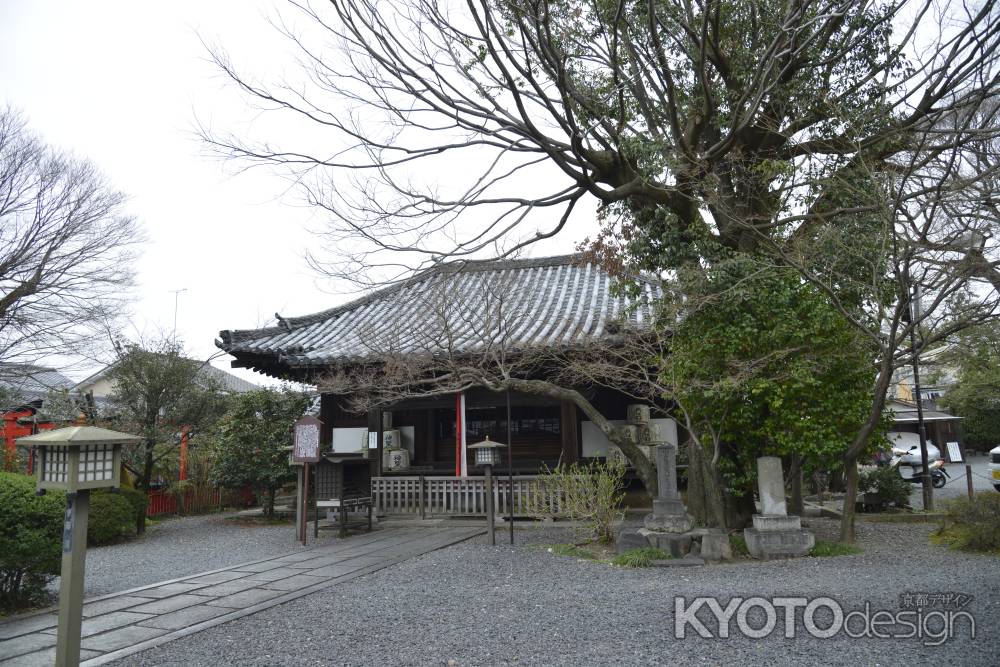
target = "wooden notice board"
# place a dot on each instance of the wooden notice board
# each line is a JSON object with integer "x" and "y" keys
{"x": 306, "y": 444}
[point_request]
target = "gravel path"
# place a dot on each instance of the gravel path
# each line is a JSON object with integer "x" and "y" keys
{"x": 476, "y": 605}
{"x": 179, "y": 547}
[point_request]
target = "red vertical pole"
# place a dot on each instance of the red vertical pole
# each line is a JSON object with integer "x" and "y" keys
{"x": 458, "y": 435}
{"x": 184, "y": 453}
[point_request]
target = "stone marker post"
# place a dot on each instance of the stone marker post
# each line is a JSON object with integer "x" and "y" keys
{"x": 775, "y": 534}
{"x": 669, "y": 514}
{"x": 771, "y": 486}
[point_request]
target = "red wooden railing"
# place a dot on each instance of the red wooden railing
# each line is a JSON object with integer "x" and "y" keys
{"x": 197, "y": 500}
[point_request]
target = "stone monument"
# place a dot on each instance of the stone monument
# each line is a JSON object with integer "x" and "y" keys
{"x": 669, "y": 514}
{"x": 775, "y": 534}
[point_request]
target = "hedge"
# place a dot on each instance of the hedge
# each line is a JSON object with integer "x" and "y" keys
{"x": 30, "y": 530}
{"x": 31, "y": 533}
{"x": 973, "y": 525}
{"x": 112, "y": 518}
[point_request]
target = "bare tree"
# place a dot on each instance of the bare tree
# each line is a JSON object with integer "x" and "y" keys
{"x": 66, "y": 247}
{"x": 914, "y": 269}
{"x": 854, "y": 141}
{"x": 719, "y": 120}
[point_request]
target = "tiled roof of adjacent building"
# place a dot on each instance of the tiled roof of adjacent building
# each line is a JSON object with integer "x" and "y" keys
{"x": 459, "y": 307}
{"x": 30, "y": 382}
{"x": 905, "y": 412}
{"x": 227, "y": 381}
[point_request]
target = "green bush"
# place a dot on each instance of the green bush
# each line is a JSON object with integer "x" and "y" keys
{"x": 30, "y": 539}
{"x": 112, "y": 518}
{"x": 136, "y": 500}
{"x": 973, "y": 525}
{"x": 589, "y": 493}
{"x": 886, "y": 485}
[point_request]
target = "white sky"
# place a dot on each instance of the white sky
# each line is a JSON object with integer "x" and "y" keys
{"x": 120, "y": 82}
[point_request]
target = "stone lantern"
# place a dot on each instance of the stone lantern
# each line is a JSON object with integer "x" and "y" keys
{"x": 76, "y": 459}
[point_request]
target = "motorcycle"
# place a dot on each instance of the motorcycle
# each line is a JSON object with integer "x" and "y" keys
{"x": 912, "y": 470}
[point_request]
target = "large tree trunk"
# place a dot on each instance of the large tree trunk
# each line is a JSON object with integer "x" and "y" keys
{"x": 706, "y": 498}
{"x": 795, "y": 475}
{"x": 269, "y": 502}
{"x": 850, "y": 495}
{"x": 858, "y": 446}
{"x": 739, "y": 510}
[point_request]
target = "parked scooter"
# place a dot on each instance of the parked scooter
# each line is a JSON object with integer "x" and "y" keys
{"x": 912, "y": 471}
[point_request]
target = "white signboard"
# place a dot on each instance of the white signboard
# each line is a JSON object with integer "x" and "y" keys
{"x": 954, "y": 452}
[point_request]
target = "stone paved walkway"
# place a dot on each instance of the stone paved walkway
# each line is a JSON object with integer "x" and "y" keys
{"x": 124, "y": 623}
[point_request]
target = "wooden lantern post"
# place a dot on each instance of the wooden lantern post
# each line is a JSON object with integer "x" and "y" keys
{"x": 76, "y": 459}
{"x": 487, "y": 456}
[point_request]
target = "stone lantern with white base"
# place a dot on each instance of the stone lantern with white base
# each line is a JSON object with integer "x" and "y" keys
{"x": 76, "y": 459}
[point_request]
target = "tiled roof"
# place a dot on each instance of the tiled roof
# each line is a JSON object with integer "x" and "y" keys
{"x": 459, "y": 307}
{"x": 904, "y": 412}
{"x": 31, "y": 382}
{"x": 226, "y": 380}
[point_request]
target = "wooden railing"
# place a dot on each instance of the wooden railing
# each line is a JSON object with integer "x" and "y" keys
{"x": 460, "y": 496}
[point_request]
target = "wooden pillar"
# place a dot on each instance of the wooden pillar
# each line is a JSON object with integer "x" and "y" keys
{"x": 569, "y": 427}
{"x": 74, "y": 555}
{"x": 461, "y": 462}
{"x": 299, "y": 536}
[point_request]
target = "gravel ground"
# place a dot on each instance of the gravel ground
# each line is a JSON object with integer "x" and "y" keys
{"x": 476, "y": 605}
{"x": 179, "y": 547}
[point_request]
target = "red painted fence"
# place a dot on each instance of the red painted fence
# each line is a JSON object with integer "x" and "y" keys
{"x": 197, "y": 501}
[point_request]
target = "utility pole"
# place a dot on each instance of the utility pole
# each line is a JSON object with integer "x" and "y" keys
{"x": 177, "y": 293}
{"x": 925, "y": 474}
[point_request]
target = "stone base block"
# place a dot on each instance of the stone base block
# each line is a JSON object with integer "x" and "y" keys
{"x": 669, "y": 516}
{"x": 628, "y": 540}
{"x": 675, "y": 544}
{"x": 715, "y": 546}
{"x": 776, "y": 522}
{"x": 774, "y": 544}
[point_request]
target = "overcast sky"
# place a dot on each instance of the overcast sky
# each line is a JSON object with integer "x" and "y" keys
{"x": 121, "y": 83}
